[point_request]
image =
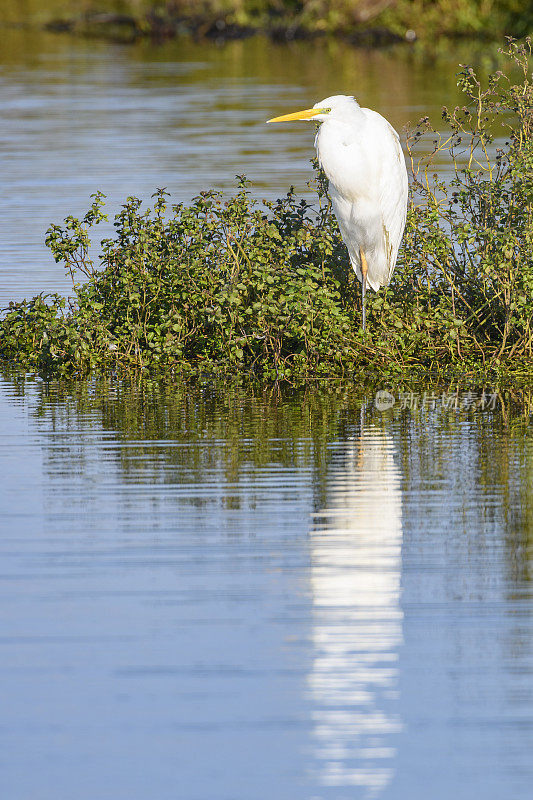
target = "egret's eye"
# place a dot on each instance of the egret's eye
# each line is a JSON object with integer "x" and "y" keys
{"x": 326, "y": 110}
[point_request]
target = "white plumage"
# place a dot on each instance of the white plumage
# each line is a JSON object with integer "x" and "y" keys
{"x": 361, "y": 155}
{"x": 355, "y": 548}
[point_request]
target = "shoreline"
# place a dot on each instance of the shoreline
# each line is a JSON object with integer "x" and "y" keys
{"x": 220, "y": 29}
{"x": 371, "y": 23}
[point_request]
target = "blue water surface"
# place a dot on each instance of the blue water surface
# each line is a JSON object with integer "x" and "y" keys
{"x": 212, "y": 593}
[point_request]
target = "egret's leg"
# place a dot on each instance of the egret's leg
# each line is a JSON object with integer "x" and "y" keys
{"x": 364, "y": 270}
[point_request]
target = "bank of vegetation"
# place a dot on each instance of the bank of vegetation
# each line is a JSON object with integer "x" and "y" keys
{"x": 364, "y": 21}
{"x": 237, "y": 287}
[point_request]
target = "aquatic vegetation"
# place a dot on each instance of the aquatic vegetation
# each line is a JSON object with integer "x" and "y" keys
{"x": 235, "y": 286}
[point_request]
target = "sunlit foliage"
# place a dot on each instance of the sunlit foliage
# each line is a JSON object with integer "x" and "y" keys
{"x": 234, "y": 286}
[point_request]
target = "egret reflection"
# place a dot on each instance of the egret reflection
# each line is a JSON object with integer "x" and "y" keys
{"x": 357, "y": 621}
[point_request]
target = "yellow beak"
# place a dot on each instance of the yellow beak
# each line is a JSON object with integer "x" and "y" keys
{"x": 308, "y": 114}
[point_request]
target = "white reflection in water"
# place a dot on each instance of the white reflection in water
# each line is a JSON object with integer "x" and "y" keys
{"x": 357, "y": 621}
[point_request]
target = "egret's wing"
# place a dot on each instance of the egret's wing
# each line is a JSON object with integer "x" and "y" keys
{"x": 344, "y": 209}
{"x": 364, "y": 162}
{"x": 392, "y": 191}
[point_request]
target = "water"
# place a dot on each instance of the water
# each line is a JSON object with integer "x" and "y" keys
{"x": 209, "y": 592}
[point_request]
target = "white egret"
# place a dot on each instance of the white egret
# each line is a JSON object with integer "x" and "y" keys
{"x": 361, "y": 155}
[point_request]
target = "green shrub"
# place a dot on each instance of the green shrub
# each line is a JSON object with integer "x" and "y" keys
{"x": 232, "y": 286}
{"x": 471, "y": 240}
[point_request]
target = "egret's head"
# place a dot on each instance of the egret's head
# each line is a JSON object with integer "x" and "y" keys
{"x": 336, "y": 106}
